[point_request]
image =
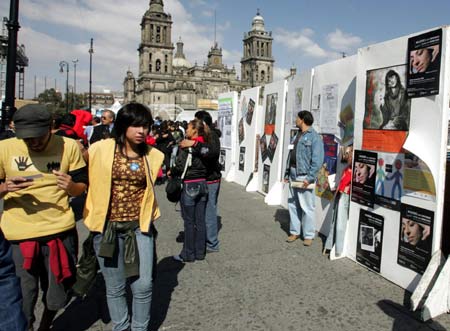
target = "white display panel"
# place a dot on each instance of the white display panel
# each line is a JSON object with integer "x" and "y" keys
{"x": 244, "y": 152}
{"x": 271, "y": 129}
{"x": 426, "y": 139}
{"x": 226, "y": 123}
{"x": 334, "y": 84}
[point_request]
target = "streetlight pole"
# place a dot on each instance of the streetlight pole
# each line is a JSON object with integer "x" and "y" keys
{"x": 61, "y": 69}
{"x": 74, "y": 82}
{"x": 91, "y": 50}
{"x": 10, "y": 88}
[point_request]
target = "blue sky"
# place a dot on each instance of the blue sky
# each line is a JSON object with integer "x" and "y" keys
{"x": 306, "y": 32}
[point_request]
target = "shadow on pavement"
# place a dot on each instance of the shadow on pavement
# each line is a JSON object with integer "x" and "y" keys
{"x": 163, "y": 287}
{"x": 282, "y": 216}
{"x": 81, "y": 314}
{"x": 403, "y": 317}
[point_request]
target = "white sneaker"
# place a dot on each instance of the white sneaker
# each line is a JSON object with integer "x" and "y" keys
{"x": 178, "y": 258}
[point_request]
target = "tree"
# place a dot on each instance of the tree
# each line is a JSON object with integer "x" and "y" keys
{"x": 53, "y": 100}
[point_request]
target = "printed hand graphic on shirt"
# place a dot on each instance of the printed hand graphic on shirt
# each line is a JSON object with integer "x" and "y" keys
{"x": 22, "y": 163}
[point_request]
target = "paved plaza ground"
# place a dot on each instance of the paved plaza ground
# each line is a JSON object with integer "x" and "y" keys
{"x": 256, "y": 282}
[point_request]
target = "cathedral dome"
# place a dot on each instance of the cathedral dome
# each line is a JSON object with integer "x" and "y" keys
{"x": 181, "y": 62}
{"x": 258, "y": 22}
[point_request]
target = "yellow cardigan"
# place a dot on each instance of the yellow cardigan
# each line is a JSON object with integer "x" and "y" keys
{"x": 101, "y": 156}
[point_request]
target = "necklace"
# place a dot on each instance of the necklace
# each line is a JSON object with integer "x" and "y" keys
{"x": 134, "y": 165}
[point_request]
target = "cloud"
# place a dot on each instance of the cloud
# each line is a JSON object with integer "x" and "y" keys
{"x": 208, "y": 13}
{"x": 302, "y": 41}
{"x": 280, "y": 73}
{"x": 55, "y": 31}
{"x": 343, "y": 42}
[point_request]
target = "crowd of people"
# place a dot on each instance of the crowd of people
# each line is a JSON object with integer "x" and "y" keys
{"x": 114, "y": 161}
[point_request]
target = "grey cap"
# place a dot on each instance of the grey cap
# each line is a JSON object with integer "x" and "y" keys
{"x": 32, "y": 121}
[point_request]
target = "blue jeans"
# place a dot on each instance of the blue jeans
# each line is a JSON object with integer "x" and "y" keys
{"x": 193, "y": 203}
{"x": 301, "y": 203}
{"x": 115, "y": 281}
{"x": 11, "y": 316}
{"x": 212, "y": 241}
{"x": 339, "y": 224}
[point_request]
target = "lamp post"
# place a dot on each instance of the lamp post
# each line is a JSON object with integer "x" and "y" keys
{"x": 91, "y": 50}
{"x": 74, "y": 82}
{"x": 10, "y": 89}
{"x": 61, "y": 69}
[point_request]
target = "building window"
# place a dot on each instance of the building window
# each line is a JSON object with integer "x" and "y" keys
{"x": 158, "y": 65}
{"x": 166, "y": 57}
{"x": 165, "y": 69}
{"x": 263, "y": 75}
{"x": 158, "y": 34}
{"x": 150, "y": 57}
{"x": 150, "y": 67}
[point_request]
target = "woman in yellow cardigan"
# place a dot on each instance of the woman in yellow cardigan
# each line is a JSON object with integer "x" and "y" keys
{"x": 120, "y": 209}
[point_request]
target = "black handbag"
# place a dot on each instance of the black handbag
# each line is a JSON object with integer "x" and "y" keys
{"x": 174, "y": 185}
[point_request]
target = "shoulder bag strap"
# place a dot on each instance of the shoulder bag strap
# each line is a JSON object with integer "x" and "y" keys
{"x": 188, "y": 162}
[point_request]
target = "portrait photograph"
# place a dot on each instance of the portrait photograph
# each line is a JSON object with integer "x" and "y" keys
{"x": 273, "y": 142}
{"x": 250, "y": 110}
{"x": 387, "y": 104}
{"x": 241, "y": 131}
{"x": 241, "y": 158}
{"x": 424, "y": 64}
{"x": 263, "y": 147}
{"x": 271, "y": 113}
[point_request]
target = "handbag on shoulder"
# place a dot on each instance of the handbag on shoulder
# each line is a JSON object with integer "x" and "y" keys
{"x": 174, "y": 185}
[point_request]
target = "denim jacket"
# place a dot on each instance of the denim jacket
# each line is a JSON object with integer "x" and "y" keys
{"x": 309, "y": 155}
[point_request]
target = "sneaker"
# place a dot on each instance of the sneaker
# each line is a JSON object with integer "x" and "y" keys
{"x": 307, "y": 242}
{"x": 211, "y": 250}
{"x": 178, "y": 258}
{"x": 292, "y": 238}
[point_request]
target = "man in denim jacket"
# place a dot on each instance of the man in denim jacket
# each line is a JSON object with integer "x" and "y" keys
{"x": 304, "y": 161}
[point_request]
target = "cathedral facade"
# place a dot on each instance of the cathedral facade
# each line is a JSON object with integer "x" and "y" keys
{"x": 169, "y": 79}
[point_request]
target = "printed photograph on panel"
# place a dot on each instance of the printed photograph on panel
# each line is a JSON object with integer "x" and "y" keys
{"x": 389, "y": 180}
{"x": 257, "y": 140}
{"x": 363, "y": 183}
{"x": 266, "y": 176}
{"x": 241, "y": 158}
{"x": 424, "y": 64}
{"x": 387, "y": 104}
{"x": 370, "y": 239}
{"x": 250, "y": 110}
{"x": 271, "y": 113}
{"x": 222, "y": 158}
{"x": 272, "y": 146}
{"x": 416, "y": 238}
{"x": 263, "y": 147}
{"x": 241, "y": 131}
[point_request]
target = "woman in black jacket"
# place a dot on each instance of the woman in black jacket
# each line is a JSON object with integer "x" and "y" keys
{"x": 193, "y": 196}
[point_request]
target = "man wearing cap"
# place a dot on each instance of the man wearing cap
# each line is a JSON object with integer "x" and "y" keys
{"x": 39, "y": 171}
